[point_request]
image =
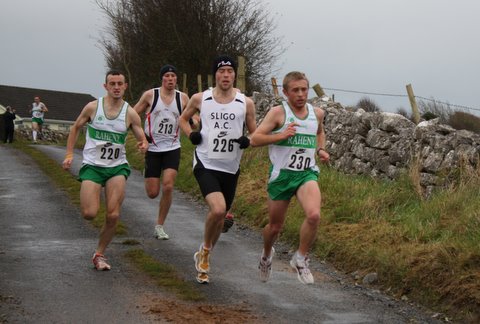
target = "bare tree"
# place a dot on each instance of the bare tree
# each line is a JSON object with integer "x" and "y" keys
{"x": 368, "y": 105}
{"x": 143, "y": 35}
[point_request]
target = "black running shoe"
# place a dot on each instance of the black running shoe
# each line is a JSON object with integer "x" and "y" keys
{"x": 227, "y": 222}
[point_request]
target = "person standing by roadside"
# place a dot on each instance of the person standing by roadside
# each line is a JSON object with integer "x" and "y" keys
{"x": 104, "y": 157}
{"x": 216, "y": 163}
{"x": 9, "y": 118}
{"x": 162, "y": 107}
{"x": 295, "y": 134}
{"x": 38, "y": 111}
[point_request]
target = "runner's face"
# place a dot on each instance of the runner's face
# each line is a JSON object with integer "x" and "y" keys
{"x": 297, "y": 93}
{"x": 225, "y": 77}
{"x": 169, "y": 80}
{"x": 115, "y": 86}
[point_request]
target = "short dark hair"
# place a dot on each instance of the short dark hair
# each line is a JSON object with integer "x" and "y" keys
{"x": 115, "y": 72}
{"x": 294, "y": 76}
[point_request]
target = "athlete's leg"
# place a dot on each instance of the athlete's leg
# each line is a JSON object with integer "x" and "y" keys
{"x": 114, "y": 195}
{"x": 34, "y": 131}
{"x": 89, "y": 199}
{"x": 214, "y": 222}
{"x": 40, "y": 130}
{"x": 309, "y": 197}
{"x": 152, "y": 187}
{"x": 277, "y": 210}
{"x": 168, "y": 180}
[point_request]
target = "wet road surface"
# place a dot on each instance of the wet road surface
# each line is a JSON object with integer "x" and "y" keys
{"x": 47, "y": 276}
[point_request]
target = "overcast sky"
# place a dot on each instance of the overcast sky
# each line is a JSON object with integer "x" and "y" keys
{"x": 372, "y": 46}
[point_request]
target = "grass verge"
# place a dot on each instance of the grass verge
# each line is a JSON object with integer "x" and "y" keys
{"x": 165, "y": 276}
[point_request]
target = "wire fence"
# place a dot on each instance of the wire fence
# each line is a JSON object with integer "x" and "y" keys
{"x": 448, "y": 104}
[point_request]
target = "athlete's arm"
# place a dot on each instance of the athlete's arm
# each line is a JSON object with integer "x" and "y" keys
{"x": 250, "y": 119}
{"x": 322, "y": 153}
{"x": 44, "y": 108}
{"x": 144, "y": 102}
{"x": 85, "y": 116}
{"x": 136, "y": 126}
{"x": 190, "y": 110}
{"x": 273, "y": 120}
{"x": 195, "y": 120}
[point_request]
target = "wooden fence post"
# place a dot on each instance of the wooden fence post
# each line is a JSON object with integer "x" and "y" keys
{"x": 185, "y": 83}
{"x": 241, "y": 74}
{"x": 274, "y": 87}
{"x": 210, "y": 80}
{"x": 413, "y": 103}
{"x": 318, "y": 90}
{"x": 199, "y": 82}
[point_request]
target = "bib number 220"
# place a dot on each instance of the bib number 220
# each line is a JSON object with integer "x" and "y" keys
{"x": 109, "y": 153}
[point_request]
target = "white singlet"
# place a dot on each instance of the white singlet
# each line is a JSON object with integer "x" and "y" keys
{"x": 105, "y": 138}
{"x": 221, "y": 124}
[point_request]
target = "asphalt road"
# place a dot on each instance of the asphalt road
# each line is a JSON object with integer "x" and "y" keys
{"x": 47, "y": 277}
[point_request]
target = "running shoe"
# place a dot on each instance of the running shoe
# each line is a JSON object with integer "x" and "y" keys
{"x": 265, "y": 266}
{"x": 202, "y": 264}
{"x": 227, "y": 222}
{"x": 100, "y": 262}
{"x": 301, "y": 266}
{"x": 160, "y": 233}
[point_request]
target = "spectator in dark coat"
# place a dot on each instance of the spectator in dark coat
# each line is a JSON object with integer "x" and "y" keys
{"x": 9, "y": 117}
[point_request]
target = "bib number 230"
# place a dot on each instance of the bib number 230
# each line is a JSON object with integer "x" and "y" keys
{"x": 299, "y": 162}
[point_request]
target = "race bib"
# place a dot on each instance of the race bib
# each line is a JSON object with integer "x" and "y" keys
{"x": 221, "y": 145}
{"x": 165, "y": 127}
{"x": 37, "y": 114}
{"x": 108, "y": 153}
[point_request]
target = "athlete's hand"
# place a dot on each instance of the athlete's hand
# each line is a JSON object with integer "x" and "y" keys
{"x": 195, "y": 138}
{"x": 243, "y": 141}
{"x": 291, "y": 130}
{"x": 323, "y": 156}
{"x": 67, "y": 162}
{"x": 142, "y": 146}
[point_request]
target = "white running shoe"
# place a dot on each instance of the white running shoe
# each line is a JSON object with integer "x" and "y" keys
{"x": 100, "y": 262}
{"x": 265, "y": 266}
{"x": 160, "y": 233}
{"x": 202, "y": 264}
{"x": 301, "y": 266}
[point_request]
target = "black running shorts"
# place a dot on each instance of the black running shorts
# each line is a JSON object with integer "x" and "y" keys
{"x": 216, "y": 181}
{"x": 155, "y": 162}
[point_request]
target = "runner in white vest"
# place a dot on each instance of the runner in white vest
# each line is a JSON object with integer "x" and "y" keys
{"x": 104, "y": 163}
{"x": 223, "y": 113}
{"x": 105, "y": 138}
{"x": 294, "y": 132}
{"x": 38, "y": 112}
{"x": 162, "y": 107}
